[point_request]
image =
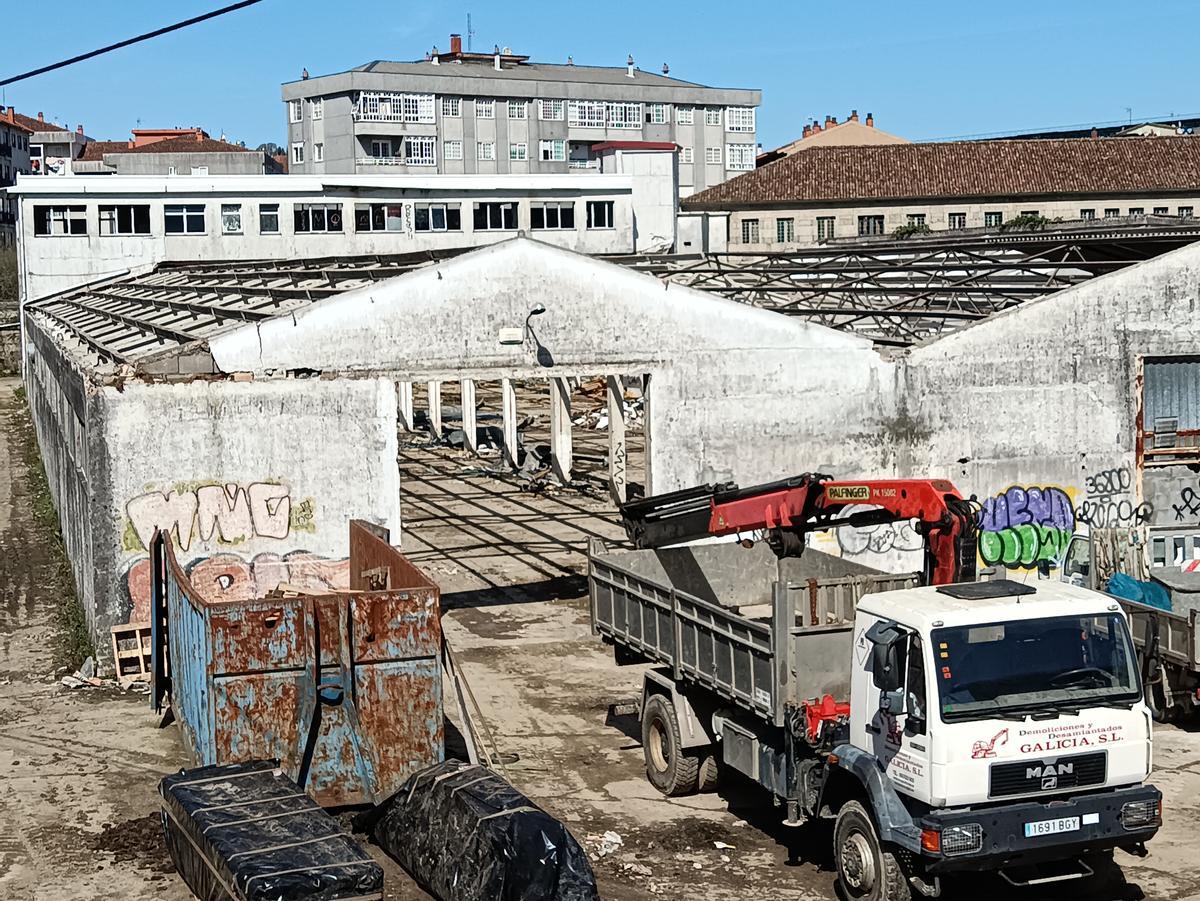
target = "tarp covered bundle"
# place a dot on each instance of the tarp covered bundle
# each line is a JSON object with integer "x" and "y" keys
{"x": 246, "y": 832}
{"x": 465, "y": 834}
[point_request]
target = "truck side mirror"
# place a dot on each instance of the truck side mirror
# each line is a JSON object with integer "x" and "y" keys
{"x": 885, "y": 665}
{"x": 891, "y": 702}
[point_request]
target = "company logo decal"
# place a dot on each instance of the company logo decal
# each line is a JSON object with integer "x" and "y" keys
{"x": 984, "y": 749}
{"x": 848, "y": 492}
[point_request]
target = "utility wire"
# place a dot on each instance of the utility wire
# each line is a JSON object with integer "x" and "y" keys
{"x": 141, "y": 37}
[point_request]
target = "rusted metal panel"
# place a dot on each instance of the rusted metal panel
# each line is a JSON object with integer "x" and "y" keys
{"x": 344, "y": 688}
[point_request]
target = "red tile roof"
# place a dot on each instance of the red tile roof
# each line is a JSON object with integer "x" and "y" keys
{"x": 94, "y": 151}
{"x": 963, "y": 169}
{"x": 185, "y": 145}
{"x": 37, "y": 124}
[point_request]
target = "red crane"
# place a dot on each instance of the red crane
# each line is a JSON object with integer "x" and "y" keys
{"x": 788, "y": 510}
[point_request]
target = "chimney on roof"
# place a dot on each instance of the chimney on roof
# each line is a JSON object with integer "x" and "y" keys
{"x": 570, "y": 60}
{"x": 434, "y": 56}
{"x": 41, "y": 118}
{"x": 79, "y": 129}
{"x": 830, "y": 121}
{"x": 496, "y": 57}
{"x": 304, "y": 73}
{"x": 807, "y": 131}
{"x": 456, "y": 45}
{"x": 629, "y": 66}
{"x": 666, "y": 68}
{"x": 870, "y": 123}
{"x": 1095, "y": 132}
{"x": 816, "y": 128}
{"x": 853, "y": 115}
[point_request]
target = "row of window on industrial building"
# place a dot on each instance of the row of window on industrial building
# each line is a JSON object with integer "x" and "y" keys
{"x": 422, "y": 108}
{"x": 876, "y": 224}
{"x": 421, "y": 150}
{"x": 191, "y": 218}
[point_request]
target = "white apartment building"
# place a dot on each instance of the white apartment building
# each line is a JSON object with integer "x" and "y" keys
{"x": 496, "y": 113}
{"x": 76, "y": 231}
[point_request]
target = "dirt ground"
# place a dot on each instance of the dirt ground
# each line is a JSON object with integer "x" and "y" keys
{"x": 79, "y": 769}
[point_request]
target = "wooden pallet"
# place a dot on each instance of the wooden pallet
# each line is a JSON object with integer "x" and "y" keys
{"x": 132, "y": 652}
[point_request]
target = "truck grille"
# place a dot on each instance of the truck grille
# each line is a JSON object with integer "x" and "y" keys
{"x": 1047, "y": 775}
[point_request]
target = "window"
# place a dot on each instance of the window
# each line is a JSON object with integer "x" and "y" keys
{"x": 956, "y": 220}
{"x": 1087, "y": 214}
{"x": 378, "y": 217}
{"x": 318, "y": 217}
{"x": 231, "y": 218}
{"x": 712, "y": 115}
{"x": 656, "y": 113}
{"x": 416, "y": 107}
{"x": 1137, "y": 211}
{"x": 554, "y": 151}
{"x": 785, "y": 230}
{"x": 485, "y": 109}
{"x": 452, "y": 107}
{"x": 1169, "y": 411}
{"x": 295, "y": 110}
{"x": 298, "y": 153}
{"x": 914, "y": 687}
{"x": 1185, "y": 212}
{"x": 686, "y": 156}
{"x": 1161, "y": 211}
{"x": 381, "y": 149}
{"x": 495, "y": 216}
{"x": 199, "y": 170}
{"x": 749, "y": 231}
{"x": 993, "y": 219}
{"x": 518, "y": 109}
{"x": 739, "y": 118}
{"x": 485, "y": 150}
{"x": 685, "y": 115}
{"x": 318, "y": 153}
{"x": 585, "y": 114}
{"x": 825, "y": 227}
{"x": 739, "y": 156}
{"x": 317, "y": 108}
{"x": 419, "y": 150}
{"x": 125, "y": 220}
{"x": 870, "y": 225}
{"x": 452, "y": 150}
{"x": 712, "y": 155}
{"x": 268, "y": 218}
{"x": 551, "y": 216}
{"x": 183, "y": 219}
{"x": 552, "y": 110}
{"x": 916, "y": 218}
{"x": 437, "y": 217}
{"x": 60, "y": 220}
{"x": 623, "y": 115}
{"x": 1111, "y": 212}
{"x": 518, "y": 152}
{"x": 600, "y": 214}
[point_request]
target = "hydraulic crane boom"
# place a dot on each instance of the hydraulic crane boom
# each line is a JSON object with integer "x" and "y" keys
{"x": 788, "y": 510}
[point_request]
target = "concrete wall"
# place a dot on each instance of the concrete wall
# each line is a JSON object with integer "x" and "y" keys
{"x": 183, "y": 163}
{"x": 655, "y": 177}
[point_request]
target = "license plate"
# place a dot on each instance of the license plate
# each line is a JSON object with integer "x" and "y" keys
{"x": 1050, "y": 827}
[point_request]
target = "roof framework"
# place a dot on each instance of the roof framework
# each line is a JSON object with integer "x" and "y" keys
{"x": 900, "y": 292}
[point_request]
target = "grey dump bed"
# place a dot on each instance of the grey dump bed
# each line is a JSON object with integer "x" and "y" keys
{"x": 758, "y": 631}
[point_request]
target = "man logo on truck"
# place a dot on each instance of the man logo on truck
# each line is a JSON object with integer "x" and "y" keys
{"x": 1053, "y": 770}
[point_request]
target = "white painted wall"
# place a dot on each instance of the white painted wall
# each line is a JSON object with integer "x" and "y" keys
{"x": 655, "y": 194}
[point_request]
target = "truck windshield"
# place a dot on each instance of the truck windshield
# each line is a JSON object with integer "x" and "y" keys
{"x": 1032, "y": 665}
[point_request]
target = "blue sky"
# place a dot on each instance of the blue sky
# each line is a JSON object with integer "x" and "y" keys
{"x": 927, "y": 70}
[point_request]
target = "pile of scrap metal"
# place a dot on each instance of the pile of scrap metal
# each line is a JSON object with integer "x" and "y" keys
{"x": 293, "y": 700}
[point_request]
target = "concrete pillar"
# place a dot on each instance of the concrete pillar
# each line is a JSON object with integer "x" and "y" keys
{"x": 508, "y": 400}
{"x": 560, "y": 429}
{"x": 435, "y": 408}
{"x": 617, "y": 453}
{"x": 470, "y": 430}
{"x": 404, "y": 395}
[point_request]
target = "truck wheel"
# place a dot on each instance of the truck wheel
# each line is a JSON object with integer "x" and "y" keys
{"x": 865, "y": 869}
{"x": 1157, "y": 691}
{"x": 668, "y": 768}
{"x": 708, "y": 776}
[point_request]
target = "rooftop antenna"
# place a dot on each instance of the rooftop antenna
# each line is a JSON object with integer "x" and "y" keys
{"x": 470, "y": 32}
{"x": 1129, "y": 114}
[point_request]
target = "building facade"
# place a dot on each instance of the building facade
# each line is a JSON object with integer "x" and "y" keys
{"x": 74, "y": 231}
{"x": 834, "y": 192}
{"x": 188, "y": 151}
{"x": 14, "y": 161}
{"x": 467, "y": 113}
{"x": 851, "y": 133}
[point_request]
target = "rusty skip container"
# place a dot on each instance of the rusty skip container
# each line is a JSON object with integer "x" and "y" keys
{"x": 344, "y": 687}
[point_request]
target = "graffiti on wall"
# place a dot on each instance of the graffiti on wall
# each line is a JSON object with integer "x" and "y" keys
{"x": 1021, "y": 526}
{"x": 1109, "y": 502}
{"x": 856, "y": 541}
{"x": 1188, "y": 505}
{"x": 227, "y": 512}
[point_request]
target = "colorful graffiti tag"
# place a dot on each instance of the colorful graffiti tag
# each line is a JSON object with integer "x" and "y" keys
{"x": 1022, "y": 526}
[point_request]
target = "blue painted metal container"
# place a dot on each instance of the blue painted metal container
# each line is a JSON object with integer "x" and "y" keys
{"x": 343, "y": 688}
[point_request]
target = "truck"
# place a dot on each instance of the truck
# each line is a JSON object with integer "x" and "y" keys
{"x": 941, "y": 728}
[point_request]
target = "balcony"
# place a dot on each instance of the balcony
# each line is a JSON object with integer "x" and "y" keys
{"x": 380, "y": 161}
{"x": 583, "y": 164}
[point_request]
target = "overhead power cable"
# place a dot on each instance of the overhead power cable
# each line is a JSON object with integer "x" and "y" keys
{"x": 141, "y": 37}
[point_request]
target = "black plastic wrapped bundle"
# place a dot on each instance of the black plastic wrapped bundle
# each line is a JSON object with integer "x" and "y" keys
{"x": 246, "y": 832}
{"x": 465, "y": 834}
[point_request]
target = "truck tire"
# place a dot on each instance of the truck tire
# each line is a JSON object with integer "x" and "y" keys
{"x": 668, "y": 768}
{"x": 866, "y": 870}
{"x": 1157, "y": 690}
{"x": 709, "y": 775}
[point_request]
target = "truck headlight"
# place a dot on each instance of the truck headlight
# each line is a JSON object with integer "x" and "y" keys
{"x": 1135, "y": 814}
{"x": 964, "y": 839}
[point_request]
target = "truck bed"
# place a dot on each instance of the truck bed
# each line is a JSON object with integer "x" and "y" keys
{"x": 756, "y": 631}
